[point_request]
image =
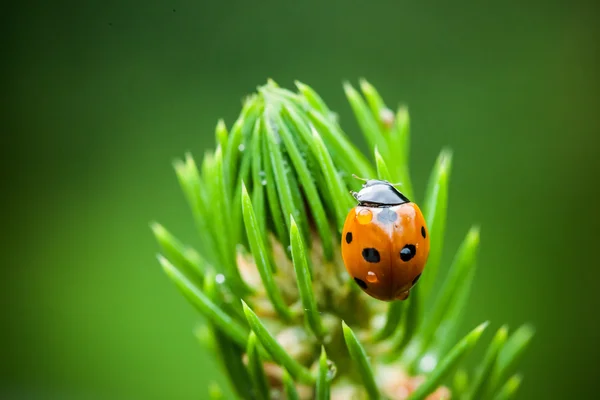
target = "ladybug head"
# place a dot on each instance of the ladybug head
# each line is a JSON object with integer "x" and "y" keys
{"x": 379, "y": 193}
{"x": 374, "y": 182}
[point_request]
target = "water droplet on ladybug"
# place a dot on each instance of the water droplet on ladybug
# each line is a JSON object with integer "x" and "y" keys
{"x": 364, "y": 216}
{"x": 372, "y": 277}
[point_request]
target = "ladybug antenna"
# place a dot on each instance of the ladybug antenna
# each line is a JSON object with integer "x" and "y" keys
{"x": 396, "y": 184}
{"x": 360, "y": 179}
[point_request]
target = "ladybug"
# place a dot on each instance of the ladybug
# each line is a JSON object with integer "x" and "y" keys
{"x": 385, "y": 242}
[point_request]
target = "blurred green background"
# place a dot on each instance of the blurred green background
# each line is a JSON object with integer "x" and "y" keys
{"x": 100, "y": 97}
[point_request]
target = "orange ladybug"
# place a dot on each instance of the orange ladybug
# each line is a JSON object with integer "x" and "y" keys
{"x": 385, "y": 243}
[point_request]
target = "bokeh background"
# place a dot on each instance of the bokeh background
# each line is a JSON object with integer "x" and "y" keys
{"x": 100, "y": 96}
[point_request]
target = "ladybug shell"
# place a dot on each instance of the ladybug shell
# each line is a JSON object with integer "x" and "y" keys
{"x": 385, "y": 249}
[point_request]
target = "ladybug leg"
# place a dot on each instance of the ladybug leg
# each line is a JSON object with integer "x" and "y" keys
{"x": 403, "y": 295}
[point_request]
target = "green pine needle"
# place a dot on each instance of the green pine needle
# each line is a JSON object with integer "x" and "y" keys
{"x": 221, "y": 134}
{"x": 394, "y": 315}
{"x": 261, "y": 257}
{"x": 509, "y": 356}
{"x": 449, "y": 362}
{"x": 510, "y": 388}
{"x": 408, "y": 326}
{"x": 259, "y": 182}
{"x": 196, "y": 194}
{"x": 215, "y": 392}
{"x": 231, "y": 359}
{"x": 384, "y": 131}
{"x": 284, "y": 188}
{"x": 365, "y": 119}
{"x": 256, "y": 369}
{"x": 312, "y": 97}
{"x": 309, "y": 187}
{"x": 290, "y": 389}
{"x": 399, "y": 145}
{"x": 323, "y": 387}
{"x": 485, "y": 369}
{"x": 198, "y": 298}
{"x": 277, "y": 214}
{"x": 238, "y": 139}
{"x": 337, "y": 189}
{"x": 222, "y": 227}
{"x": 278, "y": 353}
{"x": 349, "y": 158}
{"x": 227, "y": 351}
{"x": 375, "y": 102}
{"x": 460, "y": 269}
{"x": 460, "y": 383}
{"x": 435, "y": 210}
{"x": 382, "y": 170}
{"x": 358, "y": 354}
{"x": 303, "y": 277}
{"x": 184, "y": 257}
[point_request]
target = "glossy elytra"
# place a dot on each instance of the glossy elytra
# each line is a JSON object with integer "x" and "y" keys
{"x": 385, "y": 241}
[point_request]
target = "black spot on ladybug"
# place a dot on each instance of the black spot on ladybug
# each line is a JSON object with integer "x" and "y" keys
{"x": 423, "y": 232}
{"x": 360, "y": 283}
{"x": 386, "y": 216}
{"x": 416, "y": 279}
{"x": 408, "y": 252}
{"x": 371, "y": 255}
{"x": 349, "y": 237}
